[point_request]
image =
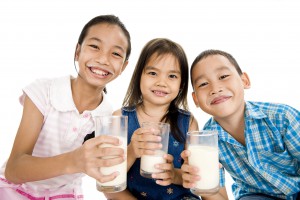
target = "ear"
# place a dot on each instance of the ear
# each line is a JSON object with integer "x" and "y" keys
{"x": 124, "y": 66}
{"x": 246, "y": 80}
{"x": 195, "y": 99}
{"x": 77, "y": 52}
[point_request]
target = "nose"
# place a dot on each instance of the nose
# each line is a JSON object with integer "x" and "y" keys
{"x": 216, "y": 89}
{"x": 102, "y": 58}
{"x": 161, "y": 82}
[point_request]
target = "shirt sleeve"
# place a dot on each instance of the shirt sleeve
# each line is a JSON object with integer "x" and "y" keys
{"x": 292, "y": 132}
{"x": 222, "y": 177}
{"x": 38, "y": 92}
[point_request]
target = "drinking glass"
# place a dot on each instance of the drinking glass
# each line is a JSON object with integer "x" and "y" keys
{"x": 203, "y": 146}
{"x": 149, "y": 161}
{"x": 115, "y": 126}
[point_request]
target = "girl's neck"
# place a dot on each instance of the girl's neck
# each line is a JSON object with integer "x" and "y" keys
{"x": 84, "y": 96}
{"x": 151, "y": 113}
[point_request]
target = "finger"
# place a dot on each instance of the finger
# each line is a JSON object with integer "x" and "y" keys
{"x": 151, "y": 145}
{"x": 186, "y": 184}
{"x": 163, "y": 182}
{"x": 100, "y": 162}
{"x": 105, "y": 178}
{"x": 149, "y": 138}
{"x": 147, "y": 152}
{"x": 164, "y": 166}
{"x": 185, "y": 154}
{"x": 106, "y": 139}
{"x": 169, "y": 158}
{"x": 109, "y": 151}
{"x": 162, "y": 176}
{"x": 192, "y": 178}
{"x": 189, "y": 169}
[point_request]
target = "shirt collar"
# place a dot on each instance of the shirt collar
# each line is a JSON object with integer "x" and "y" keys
{"x": 252, "y": 111}
{"x": 62, "y": 100}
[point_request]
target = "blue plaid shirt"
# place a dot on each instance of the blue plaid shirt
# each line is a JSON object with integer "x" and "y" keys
{"x": 270, "y": 161}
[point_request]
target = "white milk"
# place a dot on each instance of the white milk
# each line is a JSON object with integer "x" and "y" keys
{"x": 121, "y": 168}
{"x": 207, "y": 160}
{"x": 149, "y": 161}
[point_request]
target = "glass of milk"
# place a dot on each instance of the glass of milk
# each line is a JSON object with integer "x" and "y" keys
{"x": 149, "y": 161}
{"x": 203, "y": 146}
{"x": 114, "y": 126}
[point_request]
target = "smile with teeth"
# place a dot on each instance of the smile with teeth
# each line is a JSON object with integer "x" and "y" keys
{"x": 160, "y": 93}
{"x": 99, "y": 71}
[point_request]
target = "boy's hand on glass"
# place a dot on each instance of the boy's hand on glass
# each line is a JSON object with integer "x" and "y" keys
{"x": 144, "y": 141}
{"x": 90, "y": 157}
{"x": 189, "y": 173}
{"x": 168, "y": 175}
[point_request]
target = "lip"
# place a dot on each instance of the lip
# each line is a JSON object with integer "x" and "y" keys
{"x": 99, "y": 72}
{"x": 219, "y": 99}
{"x": 160, "y": 93}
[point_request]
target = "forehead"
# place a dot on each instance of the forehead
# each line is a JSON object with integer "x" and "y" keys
{"x": 108, "y": 33}
{"x": 165, "y": 61}
{"x": 212, "y": 63}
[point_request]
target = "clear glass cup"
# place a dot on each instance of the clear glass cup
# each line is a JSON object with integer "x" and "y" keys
{"x": 114, "y": 126}
{"x": 203, "y": 146}
{"x": 149, "y": 161}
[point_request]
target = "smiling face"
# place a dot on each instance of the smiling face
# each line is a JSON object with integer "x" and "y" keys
{"x": 160, "y": 80}
{"x": 101, "y": 56}
{"x": 218, "y": 88}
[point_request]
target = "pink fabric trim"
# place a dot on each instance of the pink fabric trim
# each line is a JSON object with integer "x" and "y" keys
{"x": 61, "y": 196}
{"x": 30, "y": 197}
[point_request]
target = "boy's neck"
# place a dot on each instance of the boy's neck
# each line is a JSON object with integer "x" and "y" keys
{"x": 235, "y": 126}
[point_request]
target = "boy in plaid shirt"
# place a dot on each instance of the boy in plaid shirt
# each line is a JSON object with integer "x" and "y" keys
{"x": 259, "y": 142}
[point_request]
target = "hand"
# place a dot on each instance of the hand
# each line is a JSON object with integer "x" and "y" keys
{"x": 168, "y": 175}
{"x": 89, "y": 157}
{"x": 189, "y": 173}
{"x": 144, "y": 141}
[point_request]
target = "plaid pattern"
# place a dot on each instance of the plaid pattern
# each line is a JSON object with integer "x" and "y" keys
{"x": 270, "y": 162}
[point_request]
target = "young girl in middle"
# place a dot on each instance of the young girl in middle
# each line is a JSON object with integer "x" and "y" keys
{"x": 157, "y": 93}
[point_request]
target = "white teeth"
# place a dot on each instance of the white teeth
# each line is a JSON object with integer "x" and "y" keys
{"x": 99, "y": 72}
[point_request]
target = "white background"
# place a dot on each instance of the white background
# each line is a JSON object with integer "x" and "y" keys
{"x": 38, "y": 40}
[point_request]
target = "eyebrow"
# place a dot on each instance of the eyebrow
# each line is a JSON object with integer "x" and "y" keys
{"x": 99, "y": 40}
{"x": 218, "y": 69}
{"x": 154, "y": 68}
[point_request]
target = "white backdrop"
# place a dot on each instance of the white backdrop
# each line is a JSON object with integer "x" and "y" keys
{"x": 38, "y": 39}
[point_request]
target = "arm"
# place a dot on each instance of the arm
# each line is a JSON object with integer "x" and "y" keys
{"x": 190, "y": 176}
{"x": 23, "y": 167}
{"x": 193, "y": 125}
{"x": 120, "y": 195}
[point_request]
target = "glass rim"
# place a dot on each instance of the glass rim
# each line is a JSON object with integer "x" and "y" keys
{"x": 202, "y": 133}
{"x": 158, "y": 123}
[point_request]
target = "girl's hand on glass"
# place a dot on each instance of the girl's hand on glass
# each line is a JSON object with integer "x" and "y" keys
{"x": 189, "y": 173}
{"x": 168, "y": 175}
{"x": 144, "y": 141}
{"x": 90, "y": 157}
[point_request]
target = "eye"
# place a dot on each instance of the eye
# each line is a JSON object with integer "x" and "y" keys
{"x": 223, "y": 77}
{"x": 172, "y": 76}
{"x": 203, "y": 84}
{"x": 117, "y": 54}
{"x": 94, "y": 46}
{"x": 152, "y": 73}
